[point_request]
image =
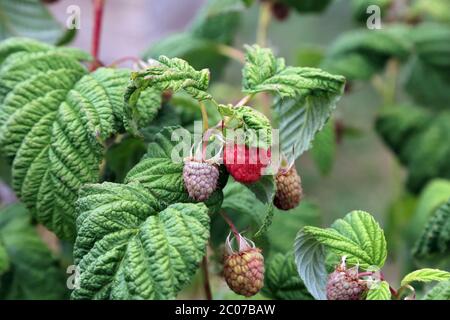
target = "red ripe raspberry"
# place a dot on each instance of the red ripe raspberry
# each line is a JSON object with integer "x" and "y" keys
{"x": 244, "y": 270}
{"x": 344, "y": 284}
{"x": 245, "y": 164}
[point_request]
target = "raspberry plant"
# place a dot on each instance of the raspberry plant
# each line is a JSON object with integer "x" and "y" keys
{"x": 92, "y": 149}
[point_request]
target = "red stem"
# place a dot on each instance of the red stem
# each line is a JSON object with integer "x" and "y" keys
{"x": 206, "y": 278}
{"x": 232, "y": 227}
{"x": 98, "y": 15}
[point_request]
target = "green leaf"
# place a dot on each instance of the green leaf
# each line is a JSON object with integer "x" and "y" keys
{"x": 441, "y": 291}
{"x": 54, "y": 120}
{"x": 255, "y": 125}
{"x": 324, "y": 148}
{"x": 357, "y": 236}
{"x": 174, "y": 74}
{"x": 34, "y": 272}
{"x": 127, "y": 249}
{"x": 416, "y": 135}
{"x": 380, "y": 292}
{"x": 264, "y": 72}
{"x": 425, "y": 275}
{"x": 435, "y": 239}
{"x": 239, "y": 199}
{"x": 301, "y": 119}
{"x": 28, "y": 18}
{"x": 308, "y": 6}
{"x": 310, "y": 260}
{"x": 281, "y": 280}
{"x": 162, "y": 176}
{"x": 215, "y": 24}
{"x": 359, "y": 54}
{"x": 264, "y": 190}
{"x": 431, "y": 47}
{"x": 311, "y": 96}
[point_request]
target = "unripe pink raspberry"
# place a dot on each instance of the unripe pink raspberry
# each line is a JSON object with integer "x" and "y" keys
{"x": 200, "y": 179}
{"x": 289, "y": 189}
{"x": 244, "y": 270}
{"x": 344, "y": 284}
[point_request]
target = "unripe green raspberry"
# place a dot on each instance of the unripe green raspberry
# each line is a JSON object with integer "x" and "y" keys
{"x": 244, "y": 270}
{"x": 289, "y": 189}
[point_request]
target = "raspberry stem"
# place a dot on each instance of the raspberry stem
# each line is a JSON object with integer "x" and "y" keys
{"x": 232, "y": 226}
{"x": 206, "y": 284}
{"x": 98, "y": 17}
{"x": 263, "y": 23}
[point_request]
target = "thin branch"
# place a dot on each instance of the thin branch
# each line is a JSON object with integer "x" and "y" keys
{"x": 231, "y": 53}
{"x": 244, "y": 100}
{"x": 263, "y": 23}
{"x": 206, "y": 284}
{"x": 98, "y": 17}
{"x": 231, "y": 224}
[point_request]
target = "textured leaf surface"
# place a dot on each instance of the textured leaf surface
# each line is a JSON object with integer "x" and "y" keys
{"x": 426, "y": 275}
{"x": 357, "y": 236}
{"x": 307, "y": 96}
{"x": 28, "y": 18}
{"x": 281, "y": 280}
{"x": 34, "y": 272}
{"x": 380, "y": 292}
{"x": 54, "y": 119}
{"x": 162, "y": 176}
{"x": 310, "y": 260}
{"x": 174, "y": 74}
{"x": 441, "y": 291}
{"x": 264, "y": 72}
{"x": 415, "y": 135}
{"x": 435, "y": 239}
{"x": 126, "y": 249}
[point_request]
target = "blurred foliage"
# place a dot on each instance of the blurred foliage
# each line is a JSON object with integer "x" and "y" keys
{"x": 29, "y": 18}
{"x": 34, "y": 272}
{"x": 435, "y": 239}
{"x": 305, "y": 6}
{"x": 415, "y": 135}
{"x": 215, "y": 24}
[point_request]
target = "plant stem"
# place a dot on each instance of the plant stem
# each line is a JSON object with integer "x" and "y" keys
{"x": 263, "y": 23}
{"x": 231, "y": 224}
{"x": 231, "y": 53}
{"x": 204, "y": 116}
{"x": 206, "y": 284}
{"x": 98, "y": 15}
{"x": 205, "y": 128}
{"x": 244, "y": 101}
